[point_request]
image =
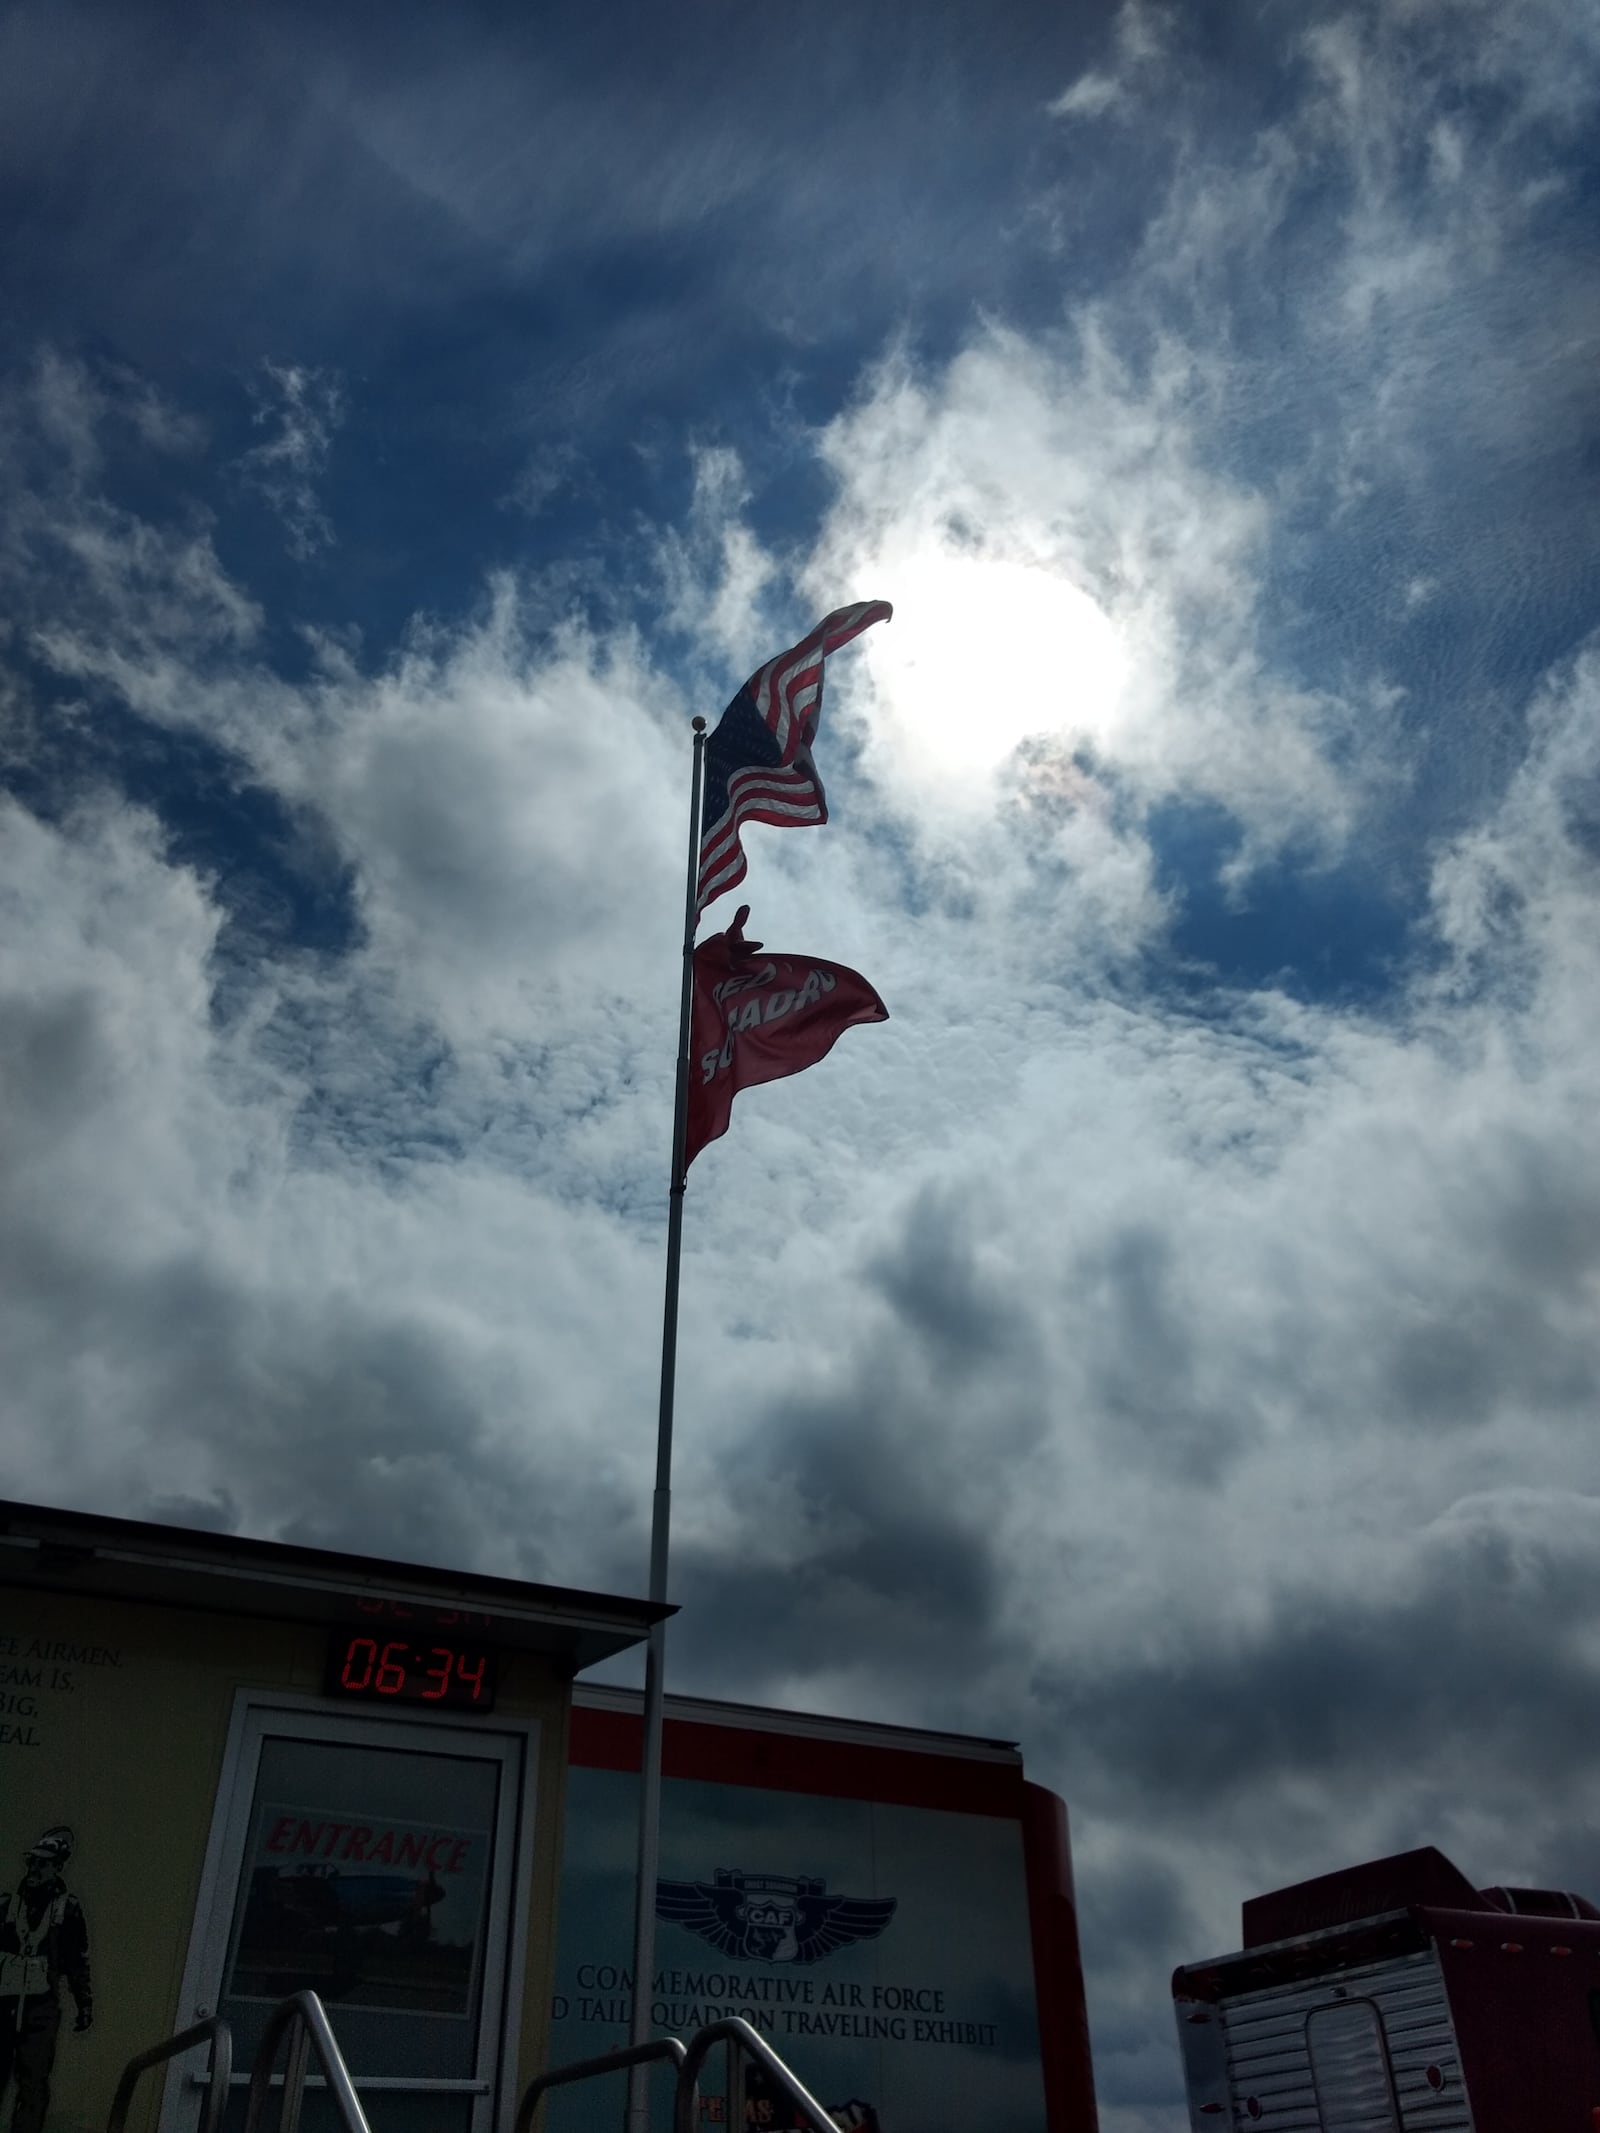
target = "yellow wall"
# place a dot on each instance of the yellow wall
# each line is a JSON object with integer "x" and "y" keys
{"x": 113, "y": 1720}
{"x": 534, "y": 2043}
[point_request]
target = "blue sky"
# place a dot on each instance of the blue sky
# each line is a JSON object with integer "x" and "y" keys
{"x": 1171, "y": 1340}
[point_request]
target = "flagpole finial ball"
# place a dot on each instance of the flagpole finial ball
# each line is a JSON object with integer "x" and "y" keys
{"x": 699, "y": 725}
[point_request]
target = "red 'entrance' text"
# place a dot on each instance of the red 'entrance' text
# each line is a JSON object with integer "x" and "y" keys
{"x": 348, "y": 1840}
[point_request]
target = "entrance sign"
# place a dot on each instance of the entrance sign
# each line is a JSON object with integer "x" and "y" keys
{"x": 373, "y": 1913}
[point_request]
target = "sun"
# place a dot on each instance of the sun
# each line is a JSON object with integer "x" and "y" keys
{"x": 981, "y": 653}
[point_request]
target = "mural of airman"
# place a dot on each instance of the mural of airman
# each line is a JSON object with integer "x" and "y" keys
{"x": 43, "y": 1939}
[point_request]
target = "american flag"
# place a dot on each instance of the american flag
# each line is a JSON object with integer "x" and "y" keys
{"x": 758, "y": 762}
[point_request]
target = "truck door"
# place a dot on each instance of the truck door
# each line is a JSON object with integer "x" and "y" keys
{"x": 1350, "y": 2069}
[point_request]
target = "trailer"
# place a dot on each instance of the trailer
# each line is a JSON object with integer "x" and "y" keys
{"x": 1394, "y": 1997}
{"x": 892, "y": 1909}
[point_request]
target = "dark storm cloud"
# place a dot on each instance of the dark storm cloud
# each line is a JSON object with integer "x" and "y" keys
{"x": 59, "y": 1058}
{"x": 1138, "y": 1894}
{"x": 210, "y": 1514}
{"x": 1514, "y": 1334}
{"x": 1475, "y": 1657}
{"x": 866, "y": 1507}
{"x": 852, "y": 1525}
{"x": 357, "y": 1425}
{"x": 1144, "y": 1340}
{"x": 946, "y": 1302}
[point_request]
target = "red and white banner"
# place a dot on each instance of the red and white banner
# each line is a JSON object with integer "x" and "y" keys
{"x": 758, "y": 1017}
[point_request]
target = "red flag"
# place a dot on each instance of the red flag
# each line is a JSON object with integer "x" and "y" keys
{"x": 758, "y": 1017}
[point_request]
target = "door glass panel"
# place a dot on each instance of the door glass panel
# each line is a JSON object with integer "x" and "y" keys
{"x": 1350, "y": 2066}
{"x": 366, "y": 1878}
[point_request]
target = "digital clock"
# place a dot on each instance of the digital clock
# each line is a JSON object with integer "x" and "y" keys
{"x": 426, "y": 1669}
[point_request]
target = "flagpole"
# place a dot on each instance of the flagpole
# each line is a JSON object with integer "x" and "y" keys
{"x": 644, "y": 1895}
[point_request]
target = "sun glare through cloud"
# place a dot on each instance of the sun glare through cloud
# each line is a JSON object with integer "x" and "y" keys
{"x": 983, "y": 652}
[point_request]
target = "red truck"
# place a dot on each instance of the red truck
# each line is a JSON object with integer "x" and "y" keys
{"x": 1395, "y": 1997}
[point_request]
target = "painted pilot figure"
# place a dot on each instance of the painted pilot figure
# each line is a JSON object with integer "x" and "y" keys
{"x": 43, "y": 1939}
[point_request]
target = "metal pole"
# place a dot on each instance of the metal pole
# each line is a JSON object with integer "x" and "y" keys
{"x": 735, "y": 2085}
{"x": 644, "y": 1895}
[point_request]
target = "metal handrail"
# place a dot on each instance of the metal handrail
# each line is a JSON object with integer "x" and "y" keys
{"x": 219, "y": 2065}
{"x": 736, "y": 2030}
{"x": 306, "y": 2022}
{"x": 583, "y": 2069}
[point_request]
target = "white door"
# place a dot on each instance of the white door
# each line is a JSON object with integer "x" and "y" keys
{"x": 383, "y": 1863}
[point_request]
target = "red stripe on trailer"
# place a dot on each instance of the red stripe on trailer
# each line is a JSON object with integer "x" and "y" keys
{"x": 793, "y": 1762}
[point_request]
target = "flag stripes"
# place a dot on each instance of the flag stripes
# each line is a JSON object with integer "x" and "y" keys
{"x": 758, "y": 764}
{"x": 788, "y": 690}
{"x": 746, "y": 781}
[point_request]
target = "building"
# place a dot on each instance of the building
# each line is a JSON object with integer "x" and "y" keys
{"x": 232, "y": 1769}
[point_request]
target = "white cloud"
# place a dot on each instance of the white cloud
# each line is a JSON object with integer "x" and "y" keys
{"x": 1513, "y": 897}
{"x": 94, "y": 589}
{"x": 302, "y": 407}
{"x": 475, "y": 786}
{"x": 482, "y": 792}
{"x": 202, "y": 1295}
{"x": 1052, "y": 459}
{"x": 1141, "y": 37}
{"x": 1089, "y": 97}
{"x": 715, "y": 571}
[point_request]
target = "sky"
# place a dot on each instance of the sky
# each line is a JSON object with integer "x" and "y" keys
{"x": 1171, "y": 1340}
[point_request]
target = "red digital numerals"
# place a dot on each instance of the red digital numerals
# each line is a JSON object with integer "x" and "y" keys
{"x": 424, "y": 1673}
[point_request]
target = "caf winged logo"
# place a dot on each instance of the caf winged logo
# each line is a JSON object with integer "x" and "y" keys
{"x": 771, "y": 1918}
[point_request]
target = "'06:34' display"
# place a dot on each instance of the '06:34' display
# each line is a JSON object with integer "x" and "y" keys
{"x": 396, "y": 1670}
